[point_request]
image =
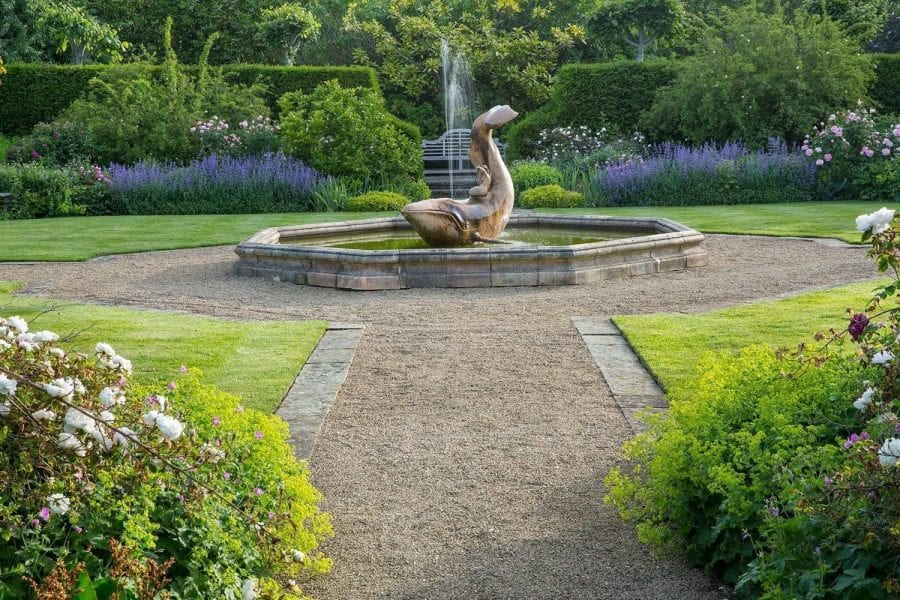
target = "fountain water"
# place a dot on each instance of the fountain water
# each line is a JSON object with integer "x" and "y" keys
{"x": 458, "y": 98}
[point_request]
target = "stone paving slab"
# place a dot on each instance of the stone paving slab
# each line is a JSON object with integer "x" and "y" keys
{"x": 315, "y": 388}
{"x": 632, "y": 386}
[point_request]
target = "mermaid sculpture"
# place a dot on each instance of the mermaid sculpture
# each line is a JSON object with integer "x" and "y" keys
{"x": 445, "y": 222}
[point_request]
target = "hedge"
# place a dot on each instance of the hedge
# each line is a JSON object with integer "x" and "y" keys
{"x": 886, "y": 88}
{"x": 597, "y": 95}
{"x": 615, "y": 94}
{"x": 31, "y": 93}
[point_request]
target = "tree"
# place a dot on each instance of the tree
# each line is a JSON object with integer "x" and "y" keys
{"x": 639, "y": 23}
{"x": 288, "y": 25}
{"x": 71, "y": 28}
{"x": 861, "y": 20}
{"x": 20, "y": 38}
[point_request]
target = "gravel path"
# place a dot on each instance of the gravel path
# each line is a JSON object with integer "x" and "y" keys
{"x": 464, "y": 455}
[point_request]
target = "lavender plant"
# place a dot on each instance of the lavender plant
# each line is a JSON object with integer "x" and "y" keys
{"x": 216, "y": 185}
{"x": 675, "y": 174}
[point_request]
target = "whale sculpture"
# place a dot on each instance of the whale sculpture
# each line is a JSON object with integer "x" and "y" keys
{"x": 446, "y": 222}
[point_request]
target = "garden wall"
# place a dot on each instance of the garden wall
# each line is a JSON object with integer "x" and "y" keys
{"x": 31, "y": 93}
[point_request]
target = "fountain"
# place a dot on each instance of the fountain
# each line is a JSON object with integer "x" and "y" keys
{"x": 477, "y": 242}
{"x": 458, "y": 96}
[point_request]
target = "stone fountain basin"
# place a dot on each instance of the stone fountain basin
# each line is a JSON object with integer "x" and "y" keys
{"x": 666, "y": 246}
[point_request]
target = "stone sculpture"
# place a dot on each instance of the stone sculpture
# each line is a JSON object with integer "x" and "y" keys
{"x": 446, "y": 222}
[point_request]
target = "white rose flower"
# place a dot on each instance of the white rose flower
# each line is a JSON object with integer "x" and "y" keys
{"x": 248, "y": 590}
{"x": 43, "y": 415}
{"x": 889, "y": 453}
{"x": 4, "y": 409}
{"x": 7, "y": 386}
{"x": 298, "y": 555}
{"x": 42, "y": 337}
{"x": 882, "y": 358}
{"x": 107, "y": 417}
{"x": 18, "y": 323}
{"x": 60, "y": 388}
{"x": 865, "y": 400}
{"x": 110, "y": 397}
{"x": 120, "y": 362}
{"x": 878, "y": 221}
{"x": 150, "y": 418}
{"x": 103, "y": 438}
{"x": 124, "y": 435}
{"x": 69, "y": 441}
{"x": 77, "y": 419}
{"x": 58, "y": 504}
{"x": 170, "y": 427}
{"x": 104, "y": 348}
{"x": 4, "y": 345}
{"x": 58, "y": 352}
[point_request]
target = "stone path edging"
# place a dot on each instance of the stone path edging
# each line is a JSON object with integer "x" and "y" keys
{"x": 632, "y": 386}
{"x": 313, "y": 392}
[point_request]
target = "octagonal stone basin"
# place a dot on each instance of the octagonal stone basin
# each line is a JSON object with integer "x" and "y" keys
{"x": 308, "y": 254}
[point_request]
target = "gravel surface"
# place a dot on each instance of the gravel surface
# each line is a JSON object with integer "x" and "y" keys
{"x": 465, "y": 453}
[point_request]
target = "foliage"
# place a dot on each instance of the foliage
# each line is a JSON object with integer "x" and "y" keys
{"x": 709, "y": 174}
{"x": 20, "y": 38}
{"x": 133, "y": 117}
{"x": 377, "y": 201}
{"x": 885, "y": 88}
{"x": 58, "y": 86}
{"x": 640, "y": 23}
{"x": 348, "y": 133}
{"x": 855, "y": 156}
{"x": 39, "y": 191}
{"x": 512, "y": 52}
{"x": 861, "y": 20}
{"x": 611, "y": 95}
{"x": 54, "y": 144}
{"x": 581, "y": 149}
{"x": 74, "y": 29}
{"x": 550, "y": 196}
{"x": 759, "y": 76}
{"x": 215, "y": 185}
{"x": 189, "y": 477}
{"x": 258, "y": 135}
{"x": 527, "y": 175}
{"x": 288, "y": 25}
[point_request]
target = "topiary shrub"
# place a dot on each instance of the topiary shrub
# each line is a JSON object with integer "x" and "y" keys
{"x": 377, "y": 201}
{"x": 349, "y": 133}
{"x": 550, "y": 196}
{"x": 527, "y": 175}
{"x": 191, "y": 484}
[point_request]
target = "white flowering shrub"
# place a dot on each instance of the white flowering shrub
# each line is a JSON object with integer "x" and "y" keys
{"x": 88, "y": 459}
{"x": 256, "y": 135}
{"x": 781, "y": 472}
{"x": 584, "y": 148}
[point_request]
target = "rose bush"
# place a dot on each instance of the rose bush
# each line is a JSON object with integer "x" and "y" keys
{"x": 97, "y": 471}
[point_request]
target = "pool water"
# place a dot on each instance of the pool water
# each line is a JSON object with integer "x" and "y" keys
{"x": 524, "y": 236}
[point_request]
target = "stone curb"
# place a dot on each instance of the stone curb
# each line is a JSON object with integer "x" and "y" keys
{"x": 315, "y": 389}
{"x": 632, "y": 386}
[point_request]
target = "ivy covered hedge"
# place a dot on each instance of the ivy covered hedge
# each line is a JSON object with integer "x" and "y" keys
{"x": 38, "y": 92}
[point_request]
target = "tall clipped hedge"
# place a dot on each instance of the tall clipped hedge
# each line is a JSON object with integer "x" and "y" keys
{"x": 606, "y": 94}
{"x": 38, "y": 92}
{"x": 886, "y": 88}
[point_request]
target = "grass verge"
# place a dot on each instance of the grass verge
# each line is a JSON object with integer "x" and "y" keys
{"x": 255, "y": 360}
{"x": 671, "y": 344}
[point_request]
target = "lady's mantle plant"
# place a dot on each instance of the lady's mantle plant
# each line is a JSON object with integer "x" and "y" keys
{"x": 92, "y": 466}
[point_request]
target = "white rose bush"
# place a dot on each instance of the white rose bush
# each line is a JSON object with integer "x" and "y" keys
{"x": 188, "y": 488}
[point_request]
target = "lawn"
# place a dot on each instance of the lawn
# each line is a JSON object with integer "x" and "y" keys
{"x": 83, "y": 238}
{"x": 802, "y": 219}
{"x": 671, "y": 344}
{"x": 255, "y": 360}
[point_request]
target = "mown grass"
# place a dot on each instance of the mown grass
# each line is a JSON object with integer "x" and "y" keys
{"x": 671, "y": 344}
{"x": 801, "y": 219}
{"x": 83, "y": 238}
{"x": 255, "y": 360}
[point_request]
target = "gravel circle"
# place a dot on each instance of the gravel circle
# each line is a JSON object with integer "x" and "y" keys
{"x": 465, "y": 453}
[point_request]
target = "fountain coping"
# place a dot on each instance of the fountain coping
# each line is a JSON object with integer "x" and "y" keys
{"x": 669, "y": 246}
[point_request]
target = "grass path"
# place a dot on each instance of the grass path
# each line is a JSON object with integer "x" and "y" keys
{"x": 255, "y": 360}
{"x": 670, "y": 344}
{"x": 83, "y": 238}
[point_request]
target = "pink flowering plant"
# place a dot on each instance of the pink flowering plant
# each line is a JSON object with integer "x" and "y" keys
{"x": 256, "y": 135}
{"x": 856, "y": 153}
{"x": 88, "y": 458}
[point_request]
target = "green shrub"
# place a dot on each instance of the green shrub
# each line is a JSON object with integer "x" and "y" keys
{"x": 550, "y": 196}
{"x": 885, "y": 88}
{"x": 39, "y": 191}
{"x": 527, "y": 175}
{"x": 758, "y": 77}
{"x": 349, "y": 133}
{"x": 54, "y": 144}
{"x": 190, "y": 477}
{"x": 377, "y": 201}
{"x": 34, "y": 93}
{"x": 705, "y": 478}
{"x": 611, "y": 95}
